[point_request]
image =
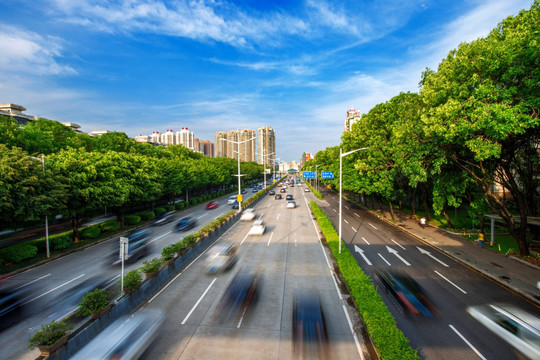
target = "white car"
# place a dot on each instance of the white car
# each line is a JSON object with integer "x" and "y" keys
{"x": 257, "y": 228}
{"x": 306, "y": 189}
{"x": 291, "y": 204}
{"x": 248, "y": 215}
{"x": 515, "y": 326}
{"x": 231, "y": 200}
{"x": 221, "y": 257}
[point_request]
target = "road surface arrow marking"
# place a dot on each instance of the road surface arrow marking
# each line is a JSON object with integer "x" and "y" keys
{"x": 431, "y": 256}
{"x": 361, "y": 252}
{"x": 395, "y": 252}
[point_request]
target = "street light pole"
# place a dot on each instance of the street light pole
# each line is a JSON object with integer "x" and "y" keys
{"x": 46, "y": 217}
{"x": 341, "y": 155}
{"x": 316, "y": 178}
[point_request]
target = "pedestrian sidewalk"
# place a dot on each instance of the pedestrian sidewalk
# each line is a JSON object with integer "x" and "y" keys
{"x": 511, "y": 272}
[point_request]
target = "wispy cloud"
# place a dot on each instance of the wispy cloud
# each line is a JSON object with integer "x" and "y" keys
{"x": 31, "y": 53}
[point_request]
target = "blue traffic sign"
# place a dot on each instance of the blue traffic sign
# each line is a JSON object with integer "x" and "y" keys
{"x": 327, "y": 175}
{"x": 308, "y": 175}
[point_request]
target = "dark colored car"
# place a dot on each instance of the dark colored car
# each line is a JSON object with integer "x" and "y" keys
{"x": 236, "y": 205}
{"x": 244, "y": 191}
{"x": 407, "y": 292}
{"x": 186, "y": 223}
{"x": 278, "y": 197}
{"x": 164, "y": 218}
{"x": 13, "y": 306}
{"x": 255, "y": 190}
{"x": 282, "y": 190}
{"x": 289, "y": 197}
{"x": 239, "y": 297}
{"x": 212, "y": 205}
{"x": 138, "y": 246}
{"x": 310, "y": 338}
{"x": 271, "y": 192}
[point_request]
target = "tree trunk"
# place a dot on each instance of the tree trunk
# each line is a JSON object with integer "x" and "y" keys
{"x": 400, "y": 201}
{"x": 120, "y": 216}
{"x": 448, "y": 221}
{"x": 426, "y": 207}
{"x": 391, "y": 210}
{"x": 412, "y": 199}
{"x": 75, "y": 228}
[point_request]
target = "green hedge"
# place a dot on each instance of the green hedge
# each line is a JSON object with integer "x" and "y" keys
{"x": 168, "y": 207}
{"x": 90, "y": 232}
{"x": 132, "y": 219}
{"x": 60, "y": 242}
{"x": 160, "y": 210}
{"x": 132, "y": 280}
{"x": 17, "y": 253}
{"x": 179, "y": 205}
{"x": 391, "y": 343}
{"x": 146, "y": 215}
{"x": 109, "y": 226}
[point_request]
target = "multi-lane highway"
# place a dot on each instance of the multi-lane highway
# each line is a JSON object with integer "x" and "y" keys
{"x": 289, "y": 258}
{"x": 452, "y": 333}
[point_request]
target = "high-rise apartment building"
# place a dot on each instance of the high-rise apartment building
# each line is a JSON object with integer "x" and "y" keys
{"x": 185, "y": 137}
{"x": 221, "y": 146}
{"x": 266, "y": 146}
{"x": 168, "y": 138}
{"x": 234, "y": 141}
{"x": 353, "y": 116}
{"x": 206, "y": 147}
{"x": 156, "y": 137}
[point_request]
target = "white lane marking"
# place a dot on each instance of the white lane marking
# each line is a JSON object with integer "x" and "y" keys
{"x": 202, "y": 216}
{"x": 58, "y": 287}
{"x": 367, "y": 242}
{"x": 467, "y": 342}
{"x": 425, "y": 252}
{"x": 356, "y": 214}
{"x": 346, "y": 206}
{"x": 395, "y": 242}
{"x": 268, "y": 205}
{"x": 33, "y": 281}
{"x": 345, "y": 221}
{"x": 272, "y": 234}
{"x": 198, "y": 302}
{"x": 244, "y": 239}
{"x": 384, "y": 259}
{"x": 361, "y": 252}
{"x": 354, "y": 229}
{"x": 395, "y": 252}
{"x": 277, "y": 217}
{"x": 334, "y": 210}
{"x": 373, "y": 226}
{"x": 159, "y": 237}
{"x": 457, "y": 287}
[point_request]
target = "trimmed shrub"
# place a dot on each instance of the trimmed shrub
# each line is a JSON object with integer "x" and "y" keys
{"x": 132, "y": 281}
{"x": 168, "y": 207}
{"x": 90, "y": 232}
{"x": 146, "y": 215}
{"x": 167, "y": 253}
{"x": 132, "y": 219}
{"x": 60, "y": 242}
{"x": 151, "y": 266}
{"x": 41, "y": 245}
{"x": 109, "y": 226}
{"x": 93, "y": 302}
{"x": 179, "y": 205}
{"x": 17, "y": 253}
{"x": 158, "y": 211}
{"x": 190, "y": 239}
{"x": 49, "y": 334}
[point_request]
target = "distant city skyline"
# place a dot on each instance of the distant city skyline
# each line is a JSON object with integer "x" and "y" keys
{"x": 296, "y": 66}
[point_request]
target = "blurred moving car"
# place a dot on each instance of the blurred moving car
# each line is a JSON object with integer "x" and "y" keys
{"x": 271, "y": 192}
{"x": 282, "y": 190}
{"x": 291, "y": 204}
{"x": 278, "y": 197}
{"x": 186, "y": 223}
{"x": 212, "y": 205}
{"x": 280, "y": 185}
{"x": 126, "y": 338}
{"x": 515, "y": 326}
{"x": 243, "y": 191}
{"x": 221, "y": 257}
{"x": 239, "y": 297}
{"x": 258, "y": 228}
{"x": 255, "y": 190}
{"x": 289, "y": 197}
{"x": 231, "y": 200}
{"x": 138, "y": 246}
{"x": 310, "y": 338}
{"x": 407, "y": 292}
{"x": 248, "y": 214}
{"x": 164, "y": 218}
{"x": 236, "y": 205}
{"x": 306, "y": 189}
{"x": 13, "y": 305}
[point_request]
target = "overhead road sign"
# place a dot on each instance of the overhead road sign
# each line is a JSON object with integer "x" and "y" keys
{"x": 327, "y": 175}
{"x": 308, "y": 175}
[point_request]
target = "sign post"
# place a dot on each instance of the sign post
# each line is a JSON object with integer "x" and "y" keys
{"x": 124, "y": 242}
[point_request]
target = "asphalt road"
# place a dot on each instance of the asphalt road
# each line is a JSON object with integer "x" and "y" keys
{"x": 53, "y": 286}
{"x": 452, "y": 287}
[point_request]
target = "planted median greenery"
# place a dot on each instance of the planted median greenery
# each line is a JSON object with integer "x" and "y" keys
{"x": 381, "y": 326}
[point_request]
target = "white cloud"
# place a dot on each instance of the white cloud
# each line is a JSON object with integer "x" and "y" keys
{"x": 28, "y": 52}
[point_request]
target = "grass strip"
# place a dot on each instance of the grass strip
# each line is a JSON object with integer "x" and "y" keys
{"x": 390, "y": 342}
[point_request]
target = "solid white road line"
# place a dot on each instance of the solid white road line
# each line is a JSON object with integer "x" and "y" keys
{"x": 277, "y": 217}
{"x": 395, "y": 242}
{"x": 365, "y": 241}
{"x": 245, "y": 237}
{"x": 198, "y": 302}
{"x": 467, "y": 342}
{"x": 58, "y": 287}
{"x": 272, "y": 234}
{"x": 159, "y": 237}
{"x": 384, "y": 259}
{"x": 23, "y": 285}
{"x": 202, "y": 216}
{"x": 457, "y": 287}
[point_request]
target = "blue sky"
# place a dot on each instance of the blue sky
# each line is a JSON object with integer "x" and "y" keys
{"x": 139, "y": 66}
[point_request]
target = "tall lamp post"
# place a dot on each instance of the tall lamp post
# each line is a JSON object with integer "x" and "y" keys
{"x": 46, "y": 218}
{"x": 341, "y": 155}
{"x": 239, "y": 175}
{"x": 316, "y": 178}
{"x": 264, "y": 164}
